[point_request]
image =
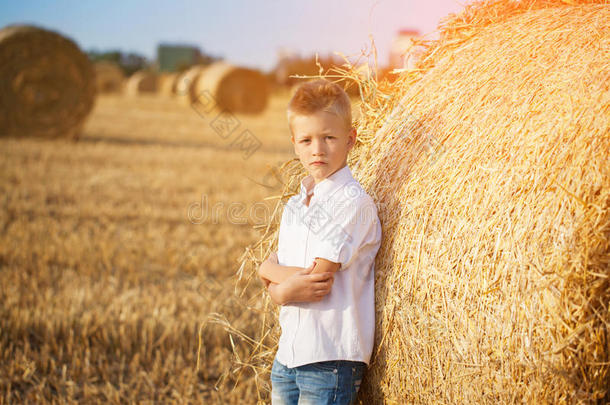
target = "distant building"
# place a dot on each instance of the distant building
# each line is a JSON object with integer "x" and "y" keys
{"x": 173, "y": 58}
{"x": 399, "y": 55}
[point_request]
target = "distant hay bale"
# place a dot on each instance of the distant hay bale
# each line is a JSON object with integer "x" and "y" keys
{"x": 234, "y": 88}
{"x": 186, "y": 85}
{"x": 109, "y": 77}
{"x": 489, "y": 165}
{"x": 47, "y": 85}
{"x": 141, "y": 82}
{"x": 167, "y": 84}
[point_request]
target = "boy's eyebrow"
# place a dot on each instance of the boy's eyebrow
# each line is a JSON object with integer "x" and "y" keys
{"x": 326, "y": 131}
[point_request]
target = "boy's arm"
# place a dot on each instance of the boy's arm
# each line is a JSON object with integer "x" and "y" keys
{"x": 271, "y": 271}
{"x": 297, "y": 284}
{"x": 324, "y": 266}
{"x": 276, "y": 294}
{"x": 303, "y": 286}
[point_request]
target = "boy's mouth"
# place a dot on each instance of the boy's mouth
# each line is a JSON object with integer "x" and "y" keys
{"x": 318, "y": 162}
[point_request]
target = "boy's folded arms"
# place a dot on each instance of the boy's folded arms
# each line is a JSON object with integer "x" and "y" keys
{"x": 301, "y": 287}
{"x": 288, "y": 284}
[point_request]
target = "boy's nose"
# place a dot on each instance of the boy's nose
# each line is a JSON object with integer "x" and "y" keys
{"x": 318, "y": 148}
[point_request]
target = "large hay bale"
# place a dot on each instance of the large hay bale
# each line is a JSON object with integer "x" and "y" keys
{"x": 234, "y": 88}
{"x": 186, "y": 86}
{"x": 47, "y": 85}
{"x": 109, "y": 77}
{"x": 489, "y": 165}
{"x": 493, "y": 180}
{"x": 167, "y": 84}
{"x": 141, "y": 82}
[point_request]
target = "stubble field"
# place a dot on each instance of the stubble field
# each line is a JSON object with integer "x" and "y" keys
{"x": 115, "y": 248}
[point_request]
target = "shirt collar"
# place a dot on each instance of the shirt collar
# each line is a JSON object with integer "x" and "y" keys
{"x": 328, "y": 186}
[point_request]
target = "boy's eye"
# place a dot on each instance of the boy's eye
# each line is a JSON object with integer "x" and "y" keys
{"x": 330, "y": 137}
{"x": 305, "y": 140}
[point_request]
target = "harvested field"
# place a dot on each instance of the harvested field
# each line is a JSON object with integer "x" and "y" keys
{"x": 109, "y": 263}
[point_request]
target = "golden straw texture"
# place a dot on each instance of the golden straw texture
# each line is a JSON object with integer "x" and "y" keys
{"x": 493, "y": 183}
{"x": 489, "y": 165}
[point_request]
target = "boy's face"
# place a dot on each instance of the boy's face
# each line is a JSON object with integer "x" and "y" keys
{"x": 322, "y": 142}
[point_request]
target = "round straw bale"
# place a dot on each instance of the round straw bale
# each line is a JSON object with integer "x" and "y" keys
{"x": 489, "y": 166}
{"x": 186, "y": 85}
{"x": 141, "y": 82}
{"x": 167, "y": 84}
{"x": 109, "y": 77}
{"x": 47, "y": 85}
{"x": 492, "y": 177}
{"x": 234, "y": 88}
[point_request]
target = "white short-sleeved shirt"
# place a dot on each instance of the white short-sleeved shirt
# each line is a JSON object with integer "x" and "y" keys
{"x": 341, "y": 225}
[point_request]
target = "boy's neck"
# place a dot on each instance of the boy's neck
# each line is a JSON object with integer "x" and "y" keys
{"x": 310, "y": 188}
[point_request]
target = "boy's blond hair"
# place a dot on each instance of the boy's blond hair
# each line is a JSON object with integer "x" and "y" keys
{"x": 320, "y": 95}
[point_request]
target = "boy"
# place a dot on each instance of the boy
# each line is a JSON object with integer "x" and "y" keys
{"x": 322, "y": 274}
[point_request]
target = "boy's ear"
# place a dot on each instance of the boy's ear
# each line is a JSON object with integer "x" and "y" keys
{"x": 294, "y": 145}
{"x": 352, "y": 137}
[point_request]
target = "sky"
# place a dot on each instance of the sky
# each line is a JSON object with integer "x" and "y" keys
{"x": 246, "y": 33}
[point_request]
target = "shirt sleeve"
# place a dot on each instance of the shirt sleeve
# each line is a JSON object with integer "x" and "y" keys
{"x": 356, "y": 230}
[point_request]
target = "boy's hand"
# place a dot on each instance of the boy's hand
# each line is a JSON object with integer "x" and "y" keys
{"x": 303, "y": 286}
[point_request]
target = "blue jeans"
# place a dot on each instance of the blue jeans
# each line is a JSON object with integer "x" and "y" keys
{"x": 325, "y": 382}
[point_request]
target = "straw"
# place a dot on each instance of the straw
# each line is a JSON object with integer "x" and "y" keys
{"x": 47, "y": 85}
{"x": 489, "y": 165}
